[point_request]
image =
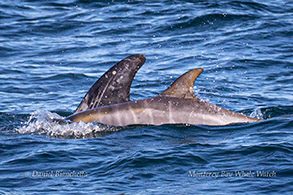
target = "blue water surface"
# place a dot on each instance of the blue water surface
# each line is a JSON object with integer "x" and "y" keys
{"x": 51, "y": 52}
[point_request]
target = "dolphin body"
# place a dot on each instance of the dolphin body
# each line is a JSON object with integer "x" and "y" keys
{"x": 108, "y": 101}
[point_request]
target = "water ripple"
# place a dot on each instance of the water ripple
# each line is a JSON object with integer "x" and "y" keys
{"x": 52, "y": 52}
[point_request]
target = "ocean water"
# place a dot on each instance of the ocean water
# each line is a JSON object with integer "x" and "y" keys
{"x": 51, "y": 52}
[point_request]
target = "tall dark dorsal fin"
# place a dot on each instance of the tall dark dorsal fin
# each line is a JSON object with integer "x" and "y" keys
{"x": 114, "y": 86}
{"x": 183, "y": 86}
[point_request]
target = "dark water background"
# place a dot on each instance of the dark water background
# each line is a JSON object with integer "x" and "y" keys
{"x": 51, "y": 52}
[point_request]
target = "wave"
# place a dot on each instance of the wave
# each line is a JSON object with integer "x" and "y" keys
{"x": 272, "y": 112}
{"x": 64, "y": 77}
{"x": 206, "y": 21}
{"x": 41, "y": 123}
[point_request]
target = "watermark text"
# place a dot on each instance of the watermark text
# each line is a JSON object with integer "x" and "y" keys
{"x": 55, "y": 173}
{"x": 229, "y": 174}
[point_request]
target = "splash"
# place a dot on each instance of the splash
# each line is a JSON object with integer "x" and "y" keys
{"x": 41, "y": 123}
{"x": 257, "y": 113}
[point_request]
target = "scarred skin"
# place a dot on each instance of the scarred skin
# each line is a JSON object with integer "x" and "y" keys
{"x": 161, "y": 110}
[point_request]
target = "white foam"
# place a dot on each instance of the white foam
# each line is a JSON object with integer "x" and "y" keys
{"x": 41, "y": 122}
{"x": 257, "y": 114}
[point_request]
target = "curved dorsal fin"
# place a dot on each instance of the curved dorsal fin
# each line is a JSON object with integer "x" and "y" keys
{"x": 114, "y": 86}
{"x": 183, "y": 86}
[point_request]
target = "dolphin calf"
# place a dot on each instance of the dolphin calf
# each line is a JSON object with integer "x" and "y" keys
{"x": 108, "y": 101}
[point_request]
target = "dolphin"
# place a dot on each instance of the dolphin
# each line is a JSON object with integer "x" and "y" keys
{"x": 108, "y": 101}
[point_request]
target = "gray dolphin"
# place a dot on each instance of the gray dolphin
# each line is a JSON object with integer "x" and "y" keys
{"x": 108, "y": 101}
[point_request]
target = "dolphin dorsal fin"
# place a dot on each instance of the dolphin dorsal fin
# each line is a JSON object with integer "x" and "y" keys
{"x": 183, "y": 86}
{"x": 114, "y": 86}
